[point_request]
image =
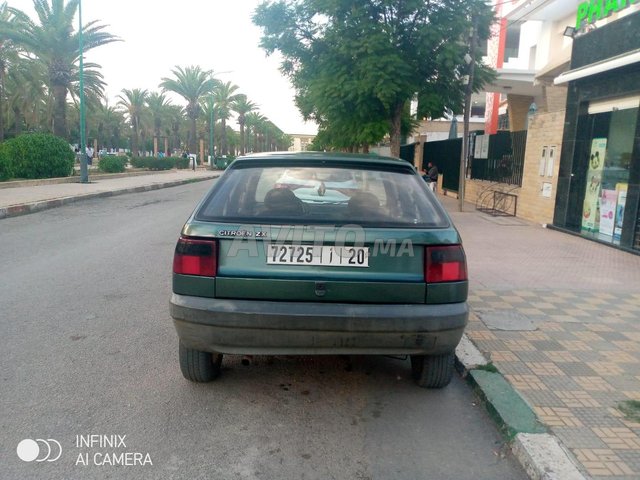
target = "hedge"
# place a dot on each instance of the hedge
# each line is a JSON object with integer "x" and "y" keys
{"x": 36, "y": 155}
{"x": 5, "y": 166}
{"x": 112, "y": 164}
{"x": 155, "y": 163}
{"x": 182, "y": 163}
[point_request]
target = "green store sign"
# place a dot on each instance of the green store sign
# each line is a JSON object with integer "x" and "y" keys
{"x": 594, "y": 10}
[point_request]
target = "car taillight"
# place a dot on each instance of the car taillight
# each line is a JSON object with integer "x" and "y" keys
{"x": 196, "y": 257}
{"x": 445, "y": 264}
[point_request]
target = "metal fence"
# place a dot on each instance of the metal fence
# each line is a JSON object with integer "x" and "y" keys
{"x": 505, "y": 162}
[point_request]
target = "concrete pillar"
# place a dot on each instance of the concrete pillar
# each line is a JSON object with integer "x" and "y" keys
{"x": 518, "y": 106}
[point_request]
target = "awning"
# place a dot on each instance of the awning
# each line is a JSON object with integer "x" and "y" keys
{"x": 613, "y": 104}
{"x": 619, "y": 61}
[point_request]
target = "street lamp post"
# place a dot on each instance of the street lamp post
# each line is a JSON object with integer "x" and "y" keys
{"x": 84, "y": 171}
{"x": 470, "y": 60}
{"x": 211, "y": 137}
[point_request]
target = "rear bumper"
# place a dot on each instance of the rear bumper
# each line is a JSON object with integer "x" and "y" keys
{"x": 280, "y": 328}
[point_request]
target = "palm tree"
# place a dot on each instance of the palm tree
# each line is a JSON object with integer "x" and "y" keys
{"x": 55, "y": 43}
{"x": 242, "y": 107}
{"x": 225, "y": 99}
{"x": 207, "y": 105}
{"x": 191, "y": 83}
{"x": 255, "y": 122}
{"x": 176, "y": 119}
{"x": 158, "y": 104}
{"x": 26, "y": 96}
{"x": 8, "y": 57}
{"x": 133, "y": 102}
{"x": 108, "y": 123}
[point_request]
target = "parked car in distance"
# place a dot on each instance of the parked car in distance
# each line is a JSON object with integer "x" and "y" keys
{"x": 316, "y": 253}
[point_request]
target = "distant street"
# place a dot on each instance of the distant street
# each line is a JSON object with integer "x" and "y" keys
{"x": 88, "y": 347}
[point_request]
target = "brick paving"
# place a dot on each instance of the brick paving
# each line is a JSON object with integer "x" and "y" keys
{"x": 559, "y": 316}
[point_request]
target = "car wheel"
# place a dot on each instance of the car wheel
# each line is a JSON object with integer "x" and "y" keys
{"x": 198, "y": 366}
{"x": 432, "y": 371}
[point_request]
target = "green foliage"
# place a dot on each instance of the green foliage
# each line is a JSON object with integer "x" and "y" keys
{"x": 165, "y": 163}
{"x": 631, "y": 410}
{"x": 356, "y": 66}
{"x": 38, "y": 155}
{"x": 5, "y": 165}
{"x": 489, "y": 367}
{"x": 154, "y": 163}
{"x": 53, "y": 41}
{"x": 181, "y": 163}
{"x": 138, "y": 162}
{"x": 112, "y": 164}
{"x": 191, "y": 83}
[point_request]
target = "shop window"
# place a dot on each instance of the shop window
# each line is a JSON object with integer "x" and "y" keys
{"x": 612, "y": 133}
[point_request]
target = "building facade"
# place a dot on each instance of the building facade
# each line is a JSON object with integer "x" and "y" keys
{"x": 301, "y": 142}
{"x": 599, "y": 178}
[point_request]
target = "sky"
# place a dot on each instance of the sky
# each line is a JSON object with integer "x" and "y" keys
{"x": 218, "y": 35}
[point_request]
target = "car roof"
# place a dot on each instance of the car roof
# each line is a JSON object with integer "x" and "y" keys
{"x": 328, "y": 157}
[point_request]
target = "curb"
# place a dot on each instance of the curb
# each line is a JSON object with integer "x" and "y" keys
{"x": 539, "y": 453}
{"x": 76, "y": 179}
{"x": 26, "y": 208}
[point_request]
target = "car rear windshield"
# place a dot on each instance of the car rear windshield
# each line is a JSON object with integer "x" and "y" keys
{"x": 324, "y": 195}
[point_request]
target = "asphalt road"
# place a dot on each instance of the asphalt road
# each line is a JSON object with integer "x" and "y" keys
{"x": 88, "y": 348}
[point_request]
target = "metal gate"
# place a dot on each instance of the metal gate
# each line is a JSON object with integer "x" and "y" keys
{"x": 505, "y": 159}
{"x": 407, "y": 152}
{"x": 445, "y": 155}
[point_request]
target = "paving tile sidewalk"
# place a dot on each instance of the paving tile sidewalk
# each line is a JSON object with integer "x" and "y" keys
{"x": 24, "y": 199}
{"x": 559, "y": 316}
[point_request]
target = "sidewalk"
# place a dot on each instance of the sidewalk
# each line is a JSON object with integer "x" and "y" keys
{"x": 32, "y": 198}
{"x": 559, "y": 316}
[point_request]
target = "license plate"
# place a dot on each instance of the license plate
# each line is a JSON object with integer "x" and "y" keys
{"x": 328, "y": 256}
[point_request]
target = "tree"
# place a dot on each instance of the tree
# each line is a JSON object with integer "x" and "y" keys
{"x": 133, "y": 101}
{"x": 9, "y": 56}
{"x": 176, "y": 121}
{"x": 242, "y": 107}
{"x": 224, "y": 98}
{"x": 108, "y": 122}
{"x": 191, "y": 83}
{"x": 254, "y": 122}
{"x": 356, "y": 66}
{"x": 158, "y": 105}
{"x": 207, "y": 104}
{"x": 55, "y": 43}
{"x": 259, "y": 125}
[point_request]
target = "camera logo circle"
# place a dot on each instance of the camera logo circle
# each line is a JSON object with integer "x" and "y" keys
{"x": 39, "y": 450}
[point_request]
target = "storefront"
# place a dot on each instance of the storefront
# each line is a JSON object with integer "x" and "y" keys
{"x": 599, "y": 180}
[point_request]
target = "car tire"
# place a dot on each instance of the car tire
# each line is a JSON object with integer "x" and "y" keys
{"x": 432, "y": 371}
{"x": 198, "y": 366}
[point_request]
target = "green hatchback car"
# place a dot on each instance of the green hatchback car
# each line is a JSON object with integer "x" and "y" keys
{"x": 316, "y": 253}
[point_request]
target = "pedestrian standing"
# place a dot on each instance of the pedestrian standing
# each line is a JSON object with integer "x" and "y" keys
{"x": 432, "y": 174}
{"x": 89, "y": 153}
